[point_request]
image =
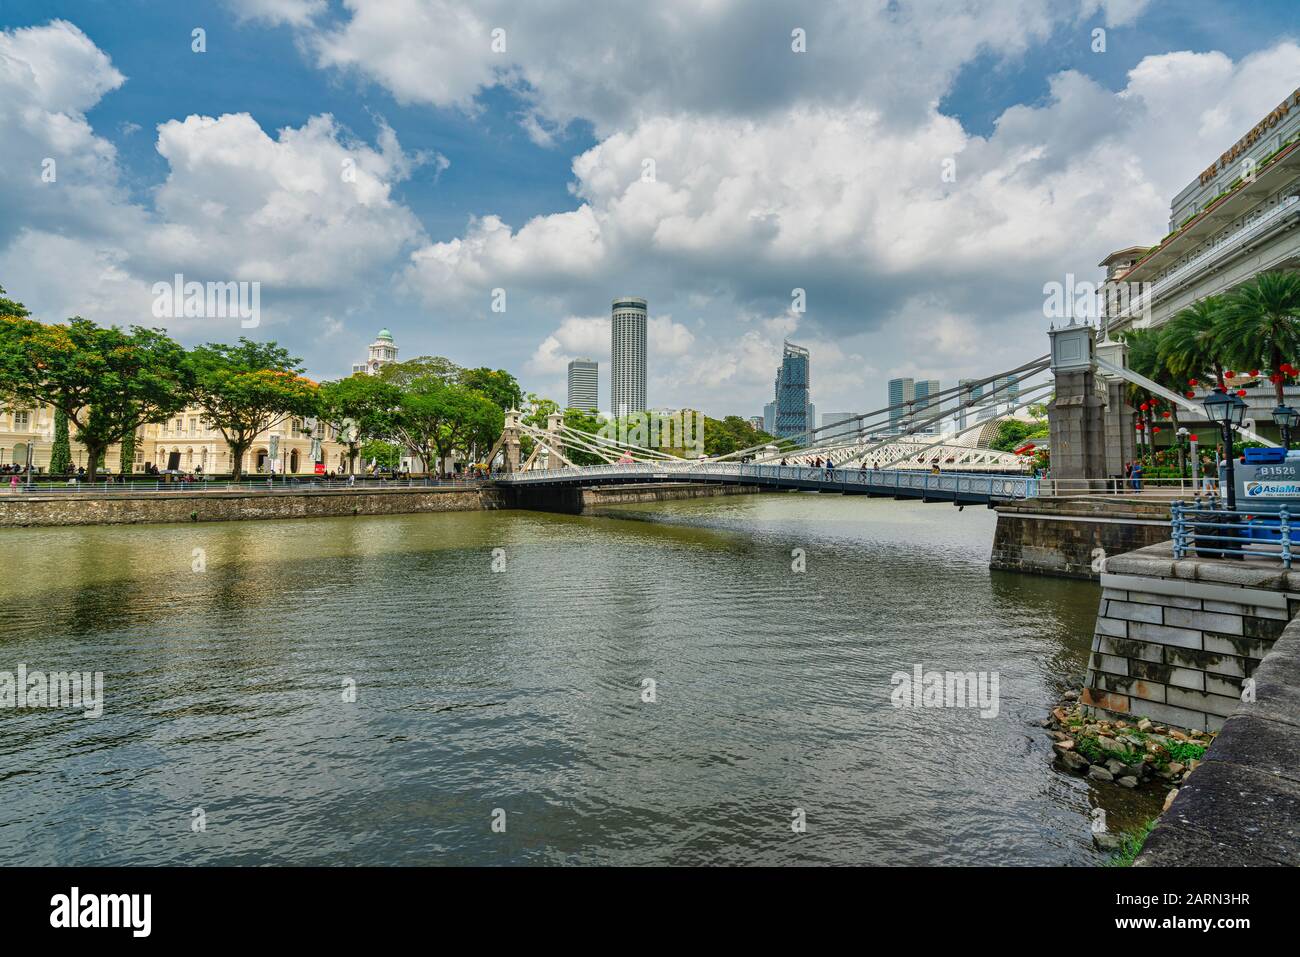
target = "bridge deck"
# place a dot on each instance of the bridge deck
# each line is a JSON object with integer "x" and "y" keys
{"x": 964, "y": 487}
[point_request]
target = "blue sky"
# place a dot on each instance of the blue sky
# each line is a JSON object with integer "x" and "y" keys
{"x": 523, "y": 170}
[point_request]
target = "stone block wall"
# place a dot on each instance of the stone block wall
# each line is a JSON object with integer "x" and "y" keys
{"x": 1241, "y": 806}
{"x": 1175, "y": 639}
{"x": 1060, "y": 536}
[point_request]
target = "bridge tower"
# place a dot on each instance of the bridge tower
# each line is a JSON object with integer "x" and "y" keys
{"x": 1077, "y": 413}
{"x": 554, "y": 440}
{"x": 509, "y": 442}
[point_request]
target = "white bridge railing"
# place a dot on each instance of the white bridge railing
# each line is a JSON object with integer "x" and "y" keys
{"x": 884, "y": 480}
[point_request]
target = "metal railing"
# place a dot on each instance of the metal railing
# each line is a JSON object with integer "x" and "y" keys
{"x": 279, "y": 486}
{"x": 1118, "y": 485}
{"x": 993, "y": 485}
{"x": 1201, "y": 531}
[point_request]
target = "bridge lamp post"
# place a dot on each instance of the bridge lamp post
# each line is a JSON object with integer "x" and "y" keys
{"x": 1286, "y": 418}
{"x": 1226, "y": 411}
{"x": 1182, "y": 454}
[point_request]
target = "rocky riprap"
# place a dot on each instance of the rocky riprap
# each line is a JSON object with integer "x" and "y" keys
{"x": 1126, "y": 753}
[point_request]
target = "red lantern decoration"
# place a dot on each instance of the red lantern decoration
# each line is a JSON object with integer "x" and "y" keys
{"x": 1276, "y": 378}
{"x": 1192, "y": 438}
{"x": 1191, "y": 382}
{"x": 1144, "y": 406}
{"x": 1141, "y": 426}
{"x": 1165, "y": 414}
{"x": 1242, "y": 393}
{"x": 1254, "y": 373}
{"x": 1191, "y": 395}
{"x": 1155, "y": 428}
{"x": 1230, "y": 374}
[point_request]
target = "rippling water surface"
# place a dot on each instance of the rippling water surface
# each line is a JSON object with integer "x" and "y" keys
{"x": 521, "y": 690}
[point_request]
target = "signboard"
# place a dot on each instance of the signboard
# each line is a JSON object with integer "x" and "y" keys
{"x": 1268, "y": 486}
{"x": 1272, "y": 490}
{"x": 320, "y": 468}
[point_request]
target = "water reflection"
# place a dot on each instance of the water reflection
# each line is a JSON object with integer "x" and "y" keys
{"x": 522, "y": 690}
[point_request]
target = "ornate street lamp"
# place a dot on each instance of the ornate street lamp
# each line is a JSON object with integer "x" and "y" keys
{"x": 1226, "y": 411}
{"x": 1286, "y": 418}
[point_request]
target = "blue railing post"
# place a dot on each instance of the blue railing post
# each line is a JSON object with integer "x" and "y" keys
{"x": 1284, "y": 520}
{"x": 1179, "y": 529}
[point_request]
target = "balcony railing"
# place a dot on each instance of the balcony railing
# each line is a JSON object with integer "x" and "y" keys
{"x": 1215, "y": 252}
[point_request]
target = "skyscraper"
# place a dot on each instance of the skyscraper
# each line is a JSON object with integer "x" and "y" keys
{"x": 627, "y": 370}
{"x": 793, "y": 406}
{"x": 918, "y": 392}
{"x": 584, "y": 377}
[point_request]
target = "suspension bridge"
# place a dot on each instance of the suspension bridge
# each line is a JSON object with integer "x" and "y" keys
{"x": 899, "y": 451}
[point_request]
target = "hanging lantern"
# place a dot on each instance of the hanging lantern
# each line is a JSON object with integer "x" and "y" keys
{"x": 1242, "y": 393}
{"x": 1230, "y": 374}
{"x": 1144, "y": 406}
{"x": 1190, "y": 395}
{"x": 1165, "y": 413}
{"x": 1191, "y": 382}
{"x": 1254, "y": 373}
{"x": 1155, "y": 428}
{"x": 1141, "y": 426}
{"x": 1192, "y": 438}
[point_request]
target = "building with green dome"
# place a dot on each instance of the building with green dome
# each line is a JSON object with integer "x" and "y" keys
{"x": 382, "y": 351}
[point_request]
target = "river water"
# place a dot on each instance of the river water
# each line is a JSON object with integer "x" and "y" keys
{"x": 514, "y": 698}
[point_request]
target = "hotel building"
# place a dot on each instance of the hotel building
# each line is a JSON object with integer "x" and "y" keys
{"x": 794, "y": 411}
{"x": 628, "y": 320}
{"x": 584, "y": 378}
{"x": 1238, "y": 217}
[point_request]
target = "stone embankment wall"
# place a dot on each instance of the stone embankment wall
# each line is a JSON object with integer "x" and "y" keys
{"x": 59, "y": 508}
{"x": 1061, "y": 536}
{"x": 1240, "y": 807}
{"x": 23, "y": 509}
{"x": 1175, "y": 638}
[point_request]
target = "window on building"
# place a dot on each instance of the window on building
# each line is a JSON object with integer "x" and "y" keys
{"x": 22, "y": 421}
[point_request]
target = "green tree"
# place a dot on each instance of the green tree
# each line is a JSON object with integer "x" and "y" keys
{"x": 60, "y": 451}
{"x": 403, "y": 374}
{"x": 382, "y": 453}
{"x": 9, "y": 307}
{"x": 497, "y": 384}
{"x": 731, "y": 434}
{"x": 107, "y": 381}
{"x": 126, "y": 455}
{"x": 1261, "y": 324}
{"x": 1189, "y": 343}
{"x": 433, "y": 419}
{"x": 248, "y": 388}
{"x": 359, "y": 409}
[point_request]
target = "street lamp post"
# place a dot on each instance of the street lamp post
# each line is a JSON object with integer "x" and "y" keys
{"x": 1285, "y": 417}
{"x": 1182, "y": 453}
{"x": 1226, "y": 411}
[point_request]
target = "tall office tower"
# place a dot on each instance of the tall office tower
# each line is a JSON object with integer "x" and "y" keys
{"x": 627, "y": 370}
{"x": 584, "y": 376}
{"x": 846, "y": 429}
{"x": 927, "y": 407}
{"x": 916, "y": 391}
{"x": 792, "y": 383}
{"x": 769, "y": 418}
{"x": 990, "y": 399}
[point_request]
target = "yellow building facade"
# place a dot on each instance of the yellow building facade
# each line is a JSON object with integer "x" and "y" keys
{"x": 186, "y": 442}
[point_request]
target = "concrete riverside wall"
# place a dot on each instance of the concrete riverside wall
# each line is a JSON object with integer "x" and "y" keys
{"x": 1060, "y": 536}
{"x": 63, "y": 508}
{"x": 630, "y": 494}
{"x": 575, "y": 499}
{"x": 1176, "y": 637}
{"x": 132, "y": 508}
{"x": 1241, "y": 806}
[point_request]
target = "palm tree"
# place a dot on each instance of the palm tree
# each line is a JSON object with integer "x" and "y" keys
{"x": 1188, "y": 343}
{"x": 1261, "y": 324}
{"x": 1144, "y": 359}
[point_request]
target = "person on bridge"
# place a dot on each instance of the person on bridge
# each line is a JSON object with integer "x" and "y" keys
{"x": 830, "y": 468}
{"x": 1137, "y": 476}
